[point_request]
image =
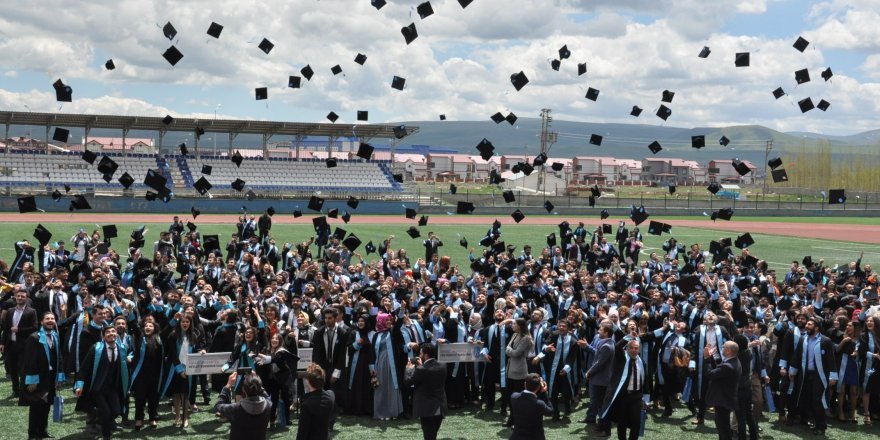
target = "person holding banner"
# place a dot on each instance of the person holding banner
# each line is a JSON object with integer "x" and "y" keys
{"x": 43, "y": 372}
{"x": 274, "y": 370}
{"x": 180, "y": 334}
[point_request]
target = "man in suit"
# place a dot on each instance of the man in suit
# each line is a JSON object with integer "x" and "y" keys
{"x": 528, "y": 410}
{"x": 599, "y": 373}
{"x": 428, "y": 380}
{"x": 814, "y": 370}
{"x": 102, "y": 381}
{"x": 316, "y": 411}
{"x": 330, "y": 347}
{"x": 628, "y": 394}
{"x": 20, "y": 322}
{"x": 42, "y": 367}
{"x": 723, "y": 381}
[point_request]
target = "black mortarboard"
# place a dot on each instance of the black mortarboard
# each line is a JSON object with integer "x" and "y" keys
{"x": 518, "y": 216}
{"x": 526, "y": 168}
{"x": 715, "y": 247}
{"x": 169, "y": 31}
{"x": 508, "y": 196}
{"x": 807, "y": 261}
{"x": 607, "y": 228}
{"x": 463, "y": 242}
{"x": 27, "y": 204}
{"x": 410, "y": 213}
{"x": 266, "y": 46}
{"x": 713, "y": 188}
{"x": 206, "y": 169}
{"x": 79, "y": 202}
{"x": 779, "y": 175}
{"x": 339, "y": 233}
{"x": 564, "y": 53}
{"x": 191, "y": 226}
{"x": 698, "y": 141}
{"x": 801, "y": 44}
{"x": 126, "y": 180}
{"x": 486, "y": 149}
{"x": 337, "y": 69}
{"x": 297, "y": 213}
{"x": 744, "y": 241}
{"x": 689, "y": 284}
{"x": 742, "y": 59}
{"x": 333, "y": 213}
{"x": 365, "y": 151}
{"x": 307, "y": 72}
{"x": 183, "y": 150}
{"x": 442, "y": 117}
{"x": 582, "y": 68}
{"x": 360, "y": 59}
{"x": 806, "y": 104}
{"x": 671, "y": 189}
{"x": 107, "y": 165}
{"x": 655, "y": 228}
{"x": 294, "y": 82}
{"x": 639, "y": 215}
{"x": 551, "y": 239}
{"x": 423, "y": 220}
{"x": 495, "y": 178}
{"x": 823, "y": 105}
{"x": 215, "y": 29}
{"x": 398, "y": 83}
{"x": 109, "y": 231}
{"x": 802, "y": 76}
{"x": 199, "y": 132}
{"x": 250, "y": 195}
{"x": 42, "y": 235}
{"x": 63, "y": 92}
{"x": 511, "y": 118}
{"x": 664, "y": 112}
{"x": 237, "y": 159}
{"x": 238, "y": 185}
{"x": 750, "y": 261}
{"x": 557, "y": 166}
{"x": 271, "y": 211}
{"x": 636, "y": 111}
{"x": 352, "y": 202}
{"x": 363, "y": 115}
{"x": 464, "y": 208}
{"x": 465, "y": 3}
{"x": 370, "y": 248}
{"x": 316, "y": 203}
{"x": 704, "y": 53}
{"x": 591, "y": 201}
{"x": 827, "y": 74}
{"x": 725, "y": 213}
{"x": 548, "y": 206}
{"x": 57, "y": 196}
{"x": 352, "y": 242}
{"x": 413, "y": 232}
{"x": 595, "y": 191}
{"x": 195, "y": 212}
{"x": 592, "y": 94}
{"x": 346, "y": 216}
{"x": 168, "y": 119}
{"x": 740, "y": 318}
{"x": 452, "y": 188}
{"x": 409, "y": 33}
{"x": 155, "y": 180}
{"x": 61, "y": 135}
{"x": 667, "y": 96}
{"x": 330, "y": 162}
{"x": 724, "y": 141}
{"x": 261, "y": 93}
{"x": 519, "y": 80}
{"x": 378, "y": 4}
{"x": 596, "y": 139}
{"x": 172, "y": 55}
{"x": 211, "y": 243}
{"x": 66, "y": 188}
{"x": 425, "y": 10}
{"x": 332, "y": 116}
{"x": 497, "y": 118}
{"x": 655, "y": 147}
{"x": 604, "y": 214}
{"x": 107, "y": 177}
{"x": 539, "y": 160}
{"x": 398, "y": 177}
{"x": 778, "y": 93}
{"x": 836, "y": 196}
{"x": 499, "y": 248}
{"x": 320, "y": 222}
{"x": 741, "y": 168}
{"x": 110, "y": 65}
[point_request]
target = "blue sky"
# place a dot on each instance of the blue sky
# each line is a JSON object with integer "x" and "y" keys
{"x": 460, "y": 64}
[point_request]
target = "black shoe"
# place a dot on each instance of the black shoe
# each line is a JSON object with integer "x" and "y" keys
{"x": 666, "y": 413}
{"x": 509, "y": 423}
{"x": 206, "y": 400}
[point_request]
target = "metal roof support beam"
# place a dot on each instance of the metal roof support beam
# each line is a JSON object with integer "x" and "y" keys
{"x": 298, "y": 139}
{"x": 47, "y": 138}
{"x": 330, "y": 141}
{"x": 6, "y": 137}
{"x": 232, "y": 136}
{"x": 125, "y": 131}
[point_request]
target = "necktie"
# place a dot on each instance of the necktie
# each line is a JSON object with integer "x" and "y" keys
{"x": 633, "y": 375}
{"x": 498, "y": 333}
{"x": 412, "y": 334}
{"x": 112, "y": 354}
{"x": 330, "y": 337}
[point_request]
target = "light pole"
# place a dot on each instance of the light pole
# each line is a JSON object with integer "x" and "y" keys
{"x": 215, "y": 134}
{"x": 766, "y": 166}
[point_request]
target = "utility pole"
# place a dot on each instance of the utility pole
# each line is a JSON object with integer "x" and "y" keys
{"x": 766, "y": 166}
{"x": 548, "y": 138}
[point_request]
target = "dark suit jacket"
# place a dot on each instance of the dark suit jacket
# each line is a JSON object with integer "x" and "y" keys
{"x": 26, "y": 325}
{"x": 528, "y": 411}
{"x": 429, "y": 388}
{"x": 600, "y": 372}
{"x": 315, "y": 416}
{"x": 340, "y": 347}
{"x": 723, "y": 380}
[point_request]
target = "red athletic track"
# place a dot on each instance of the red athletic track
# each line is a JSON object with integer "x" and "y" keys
{"x": 844, "y": 232}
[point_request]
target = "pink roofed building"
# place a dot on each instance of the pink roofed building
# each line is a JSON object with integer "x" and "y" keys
{"x": 119, "y": 145}
{"x": 722, "y": 171}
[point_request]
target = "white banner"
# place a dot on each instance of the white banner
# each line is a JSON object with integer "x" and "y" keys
{"x": 305, "y": 358}
{"x": 458, "y": 352}
{"x": 207, "y": 363}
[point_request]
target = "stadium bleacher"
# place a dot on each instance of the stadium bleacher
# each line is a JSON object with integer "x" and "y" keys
{"x": 35, "y": 167}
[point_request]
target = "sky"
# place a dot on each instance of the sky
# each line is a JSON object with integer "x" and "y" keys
{"x": 460, "y": 64}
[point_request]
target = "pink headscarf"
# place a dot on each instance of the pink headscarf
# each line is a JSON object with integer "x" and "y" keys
{"x": 383, "y": 322}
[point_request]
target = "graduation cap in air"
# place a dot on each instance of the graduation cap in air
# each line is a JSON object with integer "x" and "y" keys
{"x": 464, "y": 208}
{"x": 607, "y": 228}
{"x": 398, "y": 83}
{"x": 655, "y": 228}
{"x": 413, "y": 232}
{"x": 779, "y": 175}
{"x": 63, "y": 92}
{"x": 704, "y": 53}
{"x": 27, "y": 204}
{"x": 107, "y": 165}
{"x": 486, "y": 149}
{"x": 823, "y": 105}
{"x": 636, "y": 111}
{"x": 336, "y": 70}
{"x": 409, "y": 33}
{"x": 836, "y": 196}
{"x": 57, "y": 196}
{"x": 591, "y": 200}
{"x": 297, "y": 213}
{"x": 511, "y": 118}
{"x": 339, "y": 233}
{"x": 744, "y": 241}
{"x": 109, "y": 231}
{"x": 724, "y": 141}
{"x": 582, "y": 68}
{"x": 195, "y": 212}
{"x": 801, "y": 44}
{"x": 425, "y": 10}
{"x": 664, "y": 112}
{"x": 206, "y": 169}
{"x": 423, "y": 220}
{"x": 80, "y": 203}
{"x": 442, "y": 117}
{"x": 465, "y": 3}
{"x": 806, "y": 104}
{"x": 639, "y": 215}
{"x": 238, "y": 185}
{"x": 215, "y": 29}
{"x": 713, "y": 188}
{"x": 261, "y": 93}
{"x": 330, "y": 162}
{"x": 740, "y": 318}
{"x": 564, "y": 53}
{"x": 807, "y": 261}
{"x": 548, "y": 206}
{"x": 183, "y": 150}
{"x": 452, "y": 188}
{"x": 42, "y": 235}
{"x": 604, "y": 214}
{"x": 363, "y": 115}
{"x": 155, "y": 181}
{"x": 332, "y": 117}
{"x": 172, "y": 55}
{"x": 400, "y": 131}
{"x": 497, "y": 118}
{"x": 365, "y": 151}
{"x": 191, "y": 226}
{"x": 519, "y": 80}
{"x": 320, "y": 222}
{"x": 110, "y": 65}
{"x": 596, "y": 139}
{"x": 655, "y": 147}
{"x": 518, "y": 216}
{"x": 346, "y": 216}
{"x": 167, "y": 120}
{"x": 360, "y": 59}
{"x": 778, "y": 93}
{"x": 463, "y": 242}
{"x": 667, "y": 96}
{"x": 698, "y": 141}
{"x": 378, "y": 4}
{"x": 61, "y": 135}
{"x": 250, "y": 195}
{"x": 557, "y": 166}
{"x": 89, "y": 156}
{"x": 352, "y": 242}
{"x": 126, "y": 180}
{"x": 526, "y": 168}
{"x": 410, "y": 213}
{"x": 827, "y": 74}
{"x": 307, "y": 72}
{"x": 316, "y": 203}
{"x": 211, "y": 243}
{"x": 592, "y": 94}
{"x": 671, "y": 189}
{"x": 169, "y": 31}
{"x": 539, "y": 160}
{"x": 266, "y": 46}
{"x": 237, "y": 159}
{"x": 802, "y": 76}
{"x": 508, "y": 196}
{"x": 595, "y": 191}
{"x": 741, "y": 167}
{"x": 397, "y": 177}
{"x": 370, "y": 248}
{"x": 723, "y": 214}
{"x": 352, "y": 202}
{"x": 741, "y": 59}
{"x": 551, "y": 239}
{"x": 689, "y": 284}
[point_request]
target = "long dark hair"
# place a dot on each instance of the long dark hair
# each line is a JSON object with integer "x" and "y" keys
{"x": 523, "y": 326}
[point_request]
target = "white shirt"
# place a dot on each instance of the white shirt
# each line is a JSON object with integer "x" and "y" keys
{"x": 631, "y": 385}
